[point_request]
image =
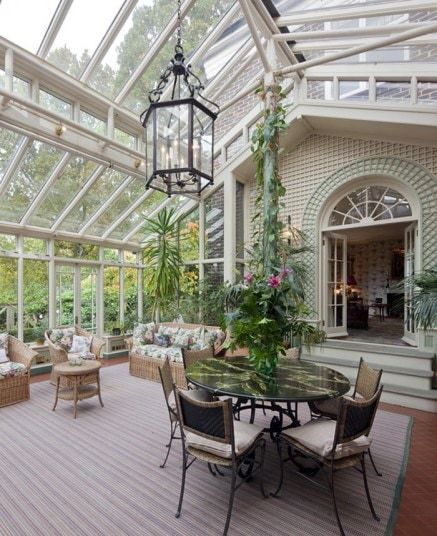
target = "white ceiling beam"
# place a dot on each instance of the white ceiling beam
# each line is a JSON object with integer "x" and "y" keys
{"x": 110, "y": 36}
{"x": 351, "y": 32}
{"x": 358, "y": 11}
{"x": 40, "y": 232}
{"x": 357, "y": 71}
{"x": 127, "y": 212}
{"x": 273, "y": 28}
{"x": 53, "y": 28}
{"x": 106, "y": 204}
{"x": 57, "y": 171}
{"x": 344, "y": 44}
{"x": 141, "y": 224}
{"x": 72, "y": 204}
{"x": 31, "y": 67}
{"x": 374, "y": 44}
{"x": 154, "y": 50}
{"x": 14, "y": 164}
{"x": 255, "y": 36}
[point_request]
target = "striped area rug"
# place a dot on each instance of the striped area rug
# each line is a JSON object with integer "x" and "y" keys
{"x": 100, "y": 475}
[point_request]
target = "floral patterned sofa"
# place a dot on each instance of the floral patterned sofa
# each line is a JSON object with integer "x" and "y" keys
{"x": 15, "y": 361}
{"x": 151, "y": 343}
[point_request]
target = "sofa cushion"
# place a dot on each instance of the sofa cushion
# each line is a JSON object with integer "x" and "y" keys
{"x": 214, "y": 337}
{"x": 4, "y": 343}
{"x": 170, "y": 331}
{"x": 318, "y": 436}
{"x": 80, "y": 344}
{"x": 161, "y": 340}
{"x": 195, "y": 336}
{"x": 143, "y": 333}
{"x": 62, "y": 337}
{"x": 3, "y": 356}
{"x": 10, "y": 369}
{"x": 244, "y": 435}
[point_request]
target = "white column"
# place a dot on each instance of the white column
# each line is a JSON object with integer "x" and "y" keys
{"x": 201, "y": 239}
{"x": 140, "y": 288}
{"x": 100, "y": 296}
{"x": 20, "y": 297}
{"x": 229, "y": 192}
{"x": 52, "y": 285}
{"x": 9, "y": 70}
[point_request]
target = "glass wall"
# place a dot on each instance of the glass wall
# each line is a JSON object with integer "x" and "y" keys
{"x": 8, "y": 295}
{"x": 35, "y": 299}
{"x": 111, "y": 298}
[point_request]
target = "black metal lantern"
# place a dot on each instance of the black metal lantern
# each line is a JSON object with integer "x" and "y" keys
{"x": 179, "y": 133}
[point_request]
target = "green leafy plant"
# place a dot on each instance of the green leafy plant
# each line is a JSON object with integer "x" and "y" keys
{"x": 423, "y": 300}
{"x": 268, "y": 308}
{"x": 162, "y": 258}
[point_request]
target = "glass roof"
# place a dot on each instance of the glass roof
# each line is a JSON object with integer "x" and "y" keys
{"x": 114, "y": 49}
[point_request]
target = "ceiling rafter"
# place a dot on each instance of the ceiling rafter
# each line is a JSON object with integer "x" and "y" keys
{"x": 358, "y": 11}
{"x": 106, "y": 204}
{"x": 141, "y": 224}
{"x": 154, "y": 50}
{"x": 255, "y": 36}
{"x": 109, "y": 37}
{"x": 351, "y": 32}
{"x": 130, "y": 209}
{"x": 14, "y": 164}
{"x": 273, "y": 28}
{"x": 56, "y": 172}
{"x": 54, "y": 27}
{"x": 346, "y": 44}
{"x": 79, "y": 196}
{"x": 372, "y": 45}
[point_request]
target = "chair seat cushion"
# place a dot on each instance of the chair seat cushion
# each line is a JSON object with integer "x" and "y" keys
{"x": 318, "y": 436}
{"x": 10, "y": 369}
{"x": 244, "y": 434}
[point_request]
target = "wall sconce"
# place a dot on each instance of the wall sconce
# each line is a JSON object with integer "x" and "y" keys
{"x": 138, "y": 163}
{"x": 60, "y": 129}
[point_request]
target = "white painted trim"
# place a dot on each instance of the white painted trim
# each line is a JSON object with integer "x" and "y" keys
{"x": 255, "y": 36}
{"x": 54, "y": 27}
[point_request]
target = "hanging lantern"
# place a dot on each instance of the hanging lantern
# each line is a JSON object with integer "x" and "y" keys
{"x": 179, "y": 133}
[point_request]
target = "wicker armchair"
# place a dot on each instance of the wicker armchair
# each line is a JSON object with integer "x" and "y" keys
{"x": 59, "y": 355}
{"x": 16, "y": 388}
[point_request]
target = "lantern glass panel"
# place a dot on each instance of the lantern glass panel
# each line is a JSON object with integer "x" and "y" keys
{"x": 172, "y": 137}
{"x": 202, "y": 141}
{"x": 149, "y": 145}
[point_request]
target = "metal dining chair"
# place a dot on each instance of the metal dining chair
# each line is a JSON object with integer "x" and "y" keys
{"x": 210, "y": 434}
{"x": 366, "y": 385}
{"x": 334, "y": 445}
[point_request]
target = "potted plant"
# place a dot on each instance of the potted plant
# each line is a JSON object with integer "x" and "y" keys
{"x": 162, "y": 258}
{"x": 268, "y": 306}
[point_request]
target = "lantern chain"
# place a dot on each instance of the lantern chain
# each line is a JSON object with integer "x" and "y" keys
{"x": 179, "y": 27}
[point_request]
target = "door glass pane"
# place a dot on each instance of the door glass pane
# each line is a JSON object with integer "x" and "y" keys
{"x": 64, "y": 295}
{"x": 36, "y": 299}
{"x": 111, "y": 298}
{"x": 88, "y": 280}
{"x": 8, "y": 295}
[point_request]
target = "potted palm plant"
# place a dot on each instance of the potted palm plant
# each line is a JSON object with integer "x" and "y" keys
{"x": 162, "y": 258}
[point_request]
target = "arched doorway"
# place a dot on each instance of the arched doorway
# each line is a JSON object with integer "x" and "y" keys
{"x": 369, "y": 239}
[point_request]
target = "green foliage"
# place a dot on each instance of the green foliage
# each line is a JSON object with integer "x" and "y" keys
{"x": 162, "y": 258}
{"x": 423, "y": 301}
{"x": 269, "y": 306}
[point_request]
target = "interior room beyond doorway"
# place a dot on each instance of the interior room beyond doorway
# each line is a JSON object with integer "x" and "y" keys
{"x": 375, "y": 266}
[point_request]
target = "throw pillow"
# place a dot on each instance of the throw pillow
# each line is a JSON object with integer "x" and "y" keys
{"x": 4, "y": 340}
{"x": 143, "y": 333}
{"x": 169, "y": 331}
{"x": 214, "y": 338}
{"x": 3, "y": 356}
{"x": 80, "y": 344}
{"x": 181, "y": 340}
{"x": 162, "y": 340}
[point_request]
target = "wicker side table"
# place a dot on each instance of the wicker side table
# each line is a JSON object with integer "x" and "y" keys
{"x": 77, "y": 389}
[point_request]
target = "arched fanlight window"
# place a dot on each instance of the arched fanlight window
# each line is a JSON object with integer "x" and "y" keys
{"x": 369, "y": 204}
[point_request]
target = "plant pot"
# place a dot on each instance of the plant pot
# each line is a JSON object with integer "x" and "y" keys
{"x": 116, "y": 331}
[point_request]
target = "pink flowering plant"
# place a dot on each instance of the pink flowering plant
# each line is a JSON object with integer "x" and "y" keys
{"x": 268, "y": 307}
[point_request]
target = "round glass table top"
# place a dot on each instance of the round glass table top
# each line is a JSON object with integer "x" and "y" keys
{"x": 293, "y": 380}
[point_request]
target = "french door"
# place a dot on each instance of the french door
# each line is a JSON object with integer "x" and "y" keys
{"x": 76, "y": 296}
{"x": 410, "y": 268}
{"x": 334, "y": 283}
